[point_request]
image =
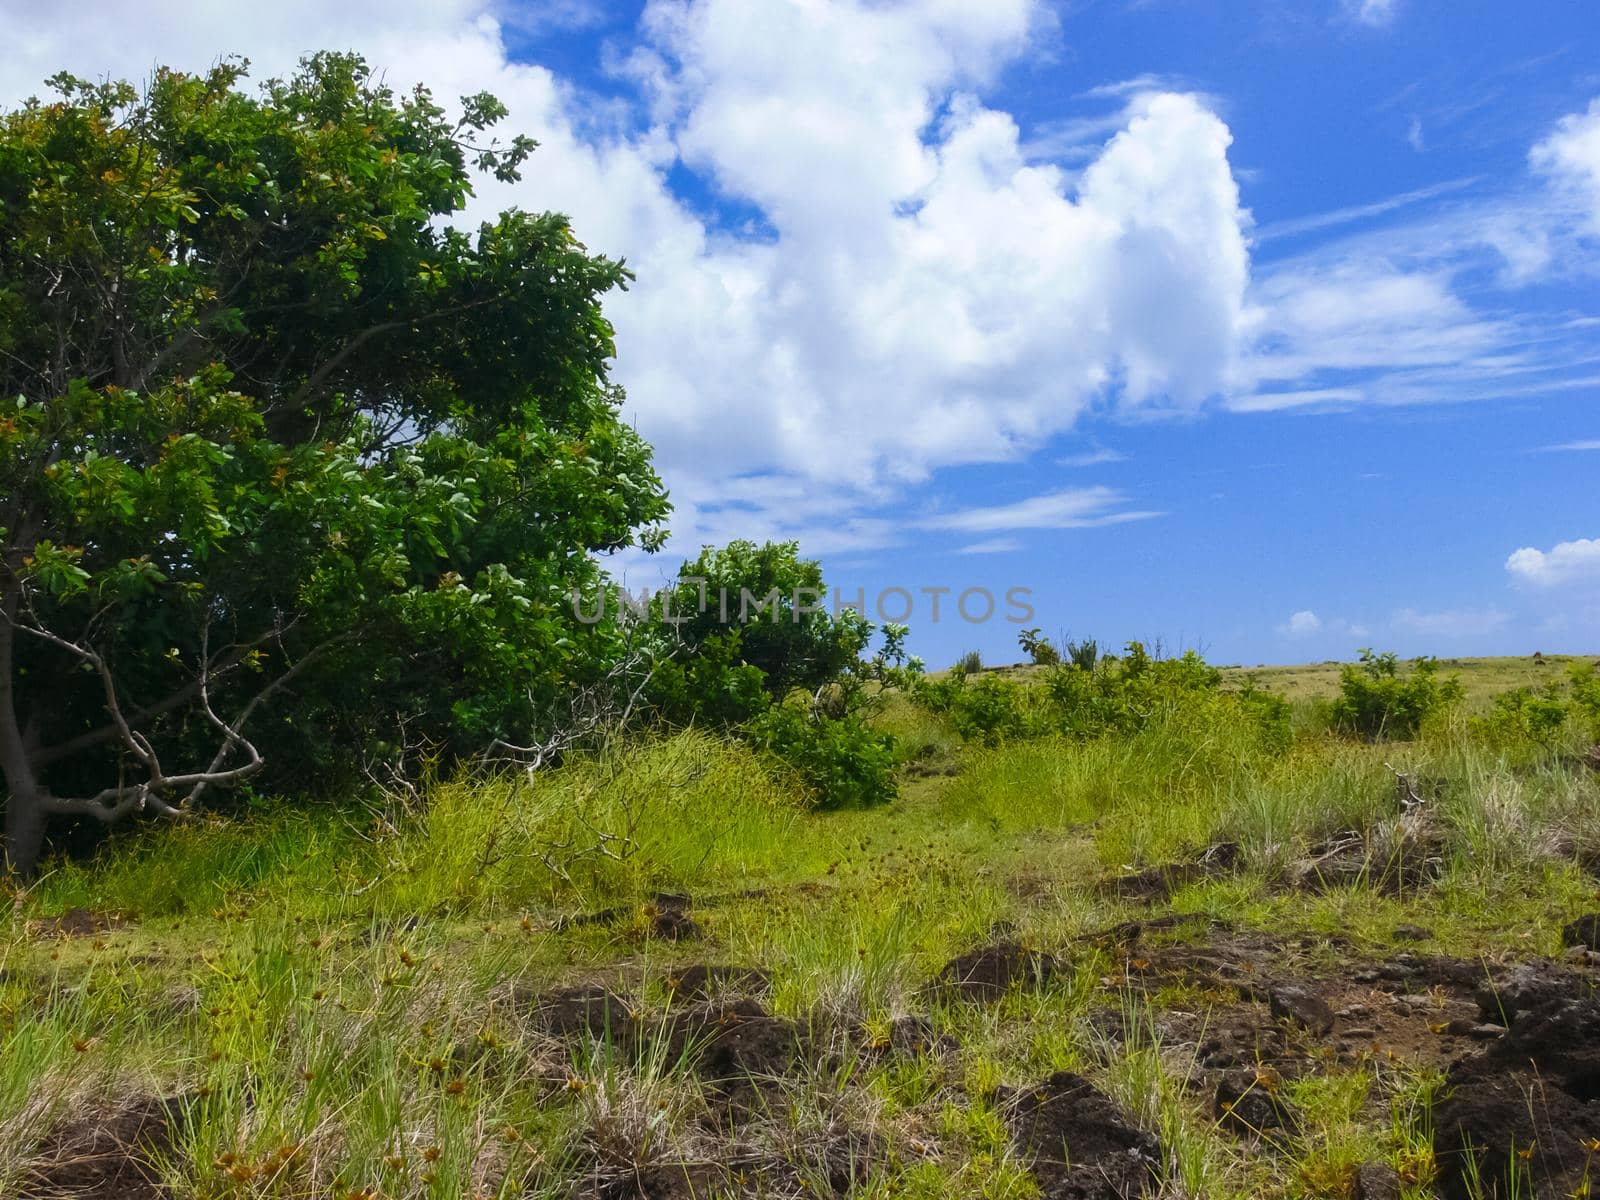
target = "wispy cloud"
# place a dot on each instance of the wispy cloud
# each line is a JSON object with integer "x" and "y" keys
{"x": 1092, "y": 458}
{"x": 1593, "y": 444}
{"x": 1359, "y": 212}
{"x": 1376, "y": 13}
{"x": 1071, "y": 508}
{"x": 1452, "y": 622}
{"x": 1003, "y": 545}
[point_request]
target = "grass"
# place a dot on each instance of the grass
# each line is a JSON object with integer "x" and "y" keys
{"x": 331, "y": 992}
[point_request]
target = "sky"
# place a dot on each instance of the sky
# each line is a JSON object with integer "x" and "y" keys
{"x": 1268, "y": 328}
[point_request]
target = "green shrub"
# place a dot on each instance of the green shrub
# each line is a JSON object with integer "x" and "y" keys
{"x": 1375, "y": 701}
{"x": 1586, "y": 695}
{"x": 969, "y": 663}
{"x": 1118, "y": 696}
{"x": 1524, "y": 715}
{"x": 1084, "y": 655}
{"x": 841, "y": 761}
{"x": 1039, "y": 649}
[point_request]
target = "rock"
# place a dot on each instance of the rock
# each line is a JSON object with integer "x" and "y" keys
{"x": 1494, "y": 1126}
{"x": 1528, "y": 986}
{"x": 1249, "y": 1103}
{"x": 1477, "y": 1030}
{"x": 1077, "y": 1143}
{"x": 1302, "y": 1006}
{"x": 989, "y": 972}
{"x": 1375, "y": 1181}
{"x": 1527, "y": 1107}
{"x": 1584, "y": 932}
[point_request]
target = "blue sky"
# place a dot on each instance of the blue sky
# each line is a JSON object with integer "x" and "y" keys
{"x": 1270, "y": 328}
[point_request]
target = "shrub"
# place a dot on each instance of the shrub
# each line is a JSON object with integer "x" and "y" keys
{"x": 969, "y": 663}
{"x": 1039, "y": 649}
{"x": 1084, "y": 655}
{"x": 1586, "y": 695}
{"x": 1376, "y": 701}
{"x": 1524, "y": 715}
{"x": 841, "y": 761}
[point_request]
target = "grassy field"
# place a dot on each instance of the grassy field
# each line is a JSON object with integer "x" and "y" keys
{"x": 1157, "y": 964}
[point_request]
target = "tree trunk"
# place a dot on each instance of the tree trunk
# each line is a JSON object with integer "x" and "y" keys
{"x": 25, "y": 820}
{"x": 25, "y": 815}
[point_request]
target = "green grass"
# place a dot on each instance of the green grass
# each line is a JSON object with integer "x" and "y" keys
{"x": 329, "y": 988}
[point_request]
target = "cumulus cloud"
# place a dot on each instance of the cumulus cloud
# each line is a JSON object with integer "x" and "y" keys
{"x": 853, "y": 331}
{"x": 1571, "y": 157}
{"x": 1451, "y": 623}
{"x": 1303, "y": 624}
{"x": 828, "y": 330}
{"x": 1566, "y": 562}
{"x": 1307, "y": 624}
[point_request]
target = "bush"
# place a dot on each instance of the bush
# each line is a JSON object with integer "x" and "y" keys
{"x": 1084, "y": 655}
{"x": 1117, "y": 697}
{"x": 1586, "y": 695}
{"x": 1376, "y": 701}
{"x": 1039, "y": 649}
{"x": 841, "y": 761}
{"x": 1524, "y": 715}
{"x": 969, "y": 663}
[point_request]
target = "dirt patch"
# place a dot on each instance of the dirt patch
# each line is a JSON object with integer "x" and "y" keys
{"x": 989, "y": 972}
{"x": 1394, "y": 866}
{"x": 1155, "y": 884}
{"x": 734, "y": 1045}
{"x": 111, "y": 1155}
{"x": 1523, "y": 1117}
{"x": 587, "y": 1011}
{"x": 664, "y": 915}
{"x": 1077, "y": 1143}
{"x": 703, "y": 980}
{"x": 77, "y": 922}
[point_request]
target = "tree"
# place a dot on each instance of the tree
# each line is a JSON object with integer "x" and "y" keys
{"x": 288, "y": 464}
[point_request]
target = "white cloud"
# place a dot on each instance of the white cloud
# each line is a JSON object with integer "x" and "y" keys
{"x": 1456, "y": 623}
{"x": 1566, "y": 562}
{"x": 1072, "y": 508}
{"x": 1307, "y": 624}
{"x": 798, "y": 372}
{"x": 1571, "y": 157}
{"x": 1303, "y": 624}
{"x": 1003, "y": 545}
{"x": 1593, "y": 444}
{"x": 1372, "y": 12}
{"x": 860, "y": 337}
{"x": 1099, "y": 456}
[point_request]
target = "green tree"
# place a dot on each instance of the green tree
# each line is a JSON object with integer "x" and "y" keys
{"x": 774, "y": 609}
{"x": 288, "y": 463}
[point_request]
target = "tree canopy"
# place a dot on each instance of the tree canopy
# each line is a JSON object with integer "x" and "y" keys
{"x": 292, "y": 469}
